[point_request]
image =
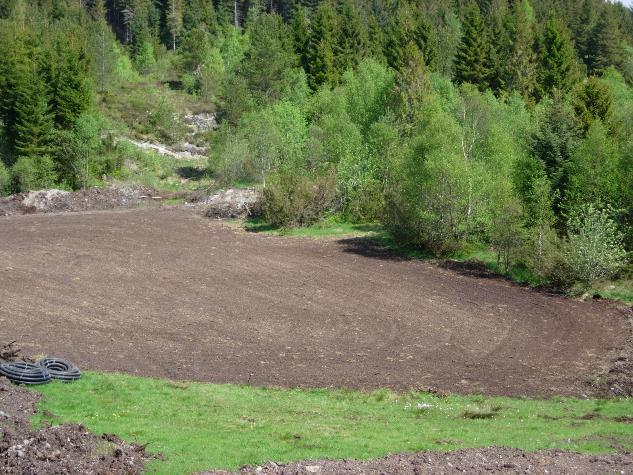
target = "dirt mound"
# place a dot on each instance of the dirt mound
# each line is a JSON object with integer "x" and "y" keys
{"x": 54, "y": 201}
{"x": 233, "y": 203}
{"x": 490, "y": 460}
{"x": 66, "y": 448}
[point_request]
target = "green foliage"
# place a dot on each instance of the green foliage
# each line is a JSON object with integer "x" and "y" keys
{"x": 5, "y": 180}
{"x": 593, "y": 170}
{"x": 593, "y": 249}
{"x": 472, "y": 60}
{"x": 164, "y": 123}
{"x": 604, "y": 47}
{"x": 554, "y": 144}
{"x": 32, "y": 173}
{"x": 592, "y": 101}
{"x": 427, "y": 197}
{"x": 263, "y": 141}
{"x": 269, "y": 58}
{"x": 557, "y": 59}
{"x": 407, "y": 28}
{"x": 70, "y": 89}
{"x": 322, "y": 46}
{"x": 194, "y": 49}
{"x": 354, "y": 41}
{"x": 293, "y": 199}
{"x": 144, "y": 59}
{"x": 522, "y": 64}
{"x": 33, "y": 117}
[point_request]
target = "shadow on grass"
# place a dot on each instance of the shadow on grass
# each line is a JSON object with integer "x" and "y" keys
{"x": 258, "y": 225}
{"x": 191, "y": 173}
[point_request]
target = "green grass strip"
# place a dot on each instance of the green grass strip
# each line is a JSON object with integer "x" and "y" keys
{"x": 204, "y": 426}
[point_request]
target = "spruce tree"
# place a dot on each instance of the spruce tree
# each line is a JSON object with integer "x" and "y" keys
{"x": 498, "y": 19}
{"x": 270, "y": 57}
{"x": 69, "y": 89}
{"x": 375, "y": 39}
{"x": 34, "y": 121}
{"x": 604, "y": 48}
{"x": 324, "y": 41}
{"x": 407, "y": 26}
{"x": 199, "y": 13}
{"x": 411, "y": 89}
{"x": 523, "y": 66}
{"x": 555, "y": 143}
{"x": 583, "y": 26}
{"x": 556, "y": 59}
{"x": 472, "y": 61}
{"x": 300, "y": 26}
{"x": 354, "y": 37}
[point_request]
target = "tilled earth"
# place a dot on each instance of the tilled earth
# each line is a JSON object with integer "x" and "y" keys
{"x": 68, "y": 448}
{"x": 490, "y": 460}
{"x": 168, "y": 293}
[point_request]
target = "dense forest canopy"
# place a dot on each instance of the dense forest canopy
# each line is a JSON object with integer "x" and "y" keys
{"x": 507, "y": 123}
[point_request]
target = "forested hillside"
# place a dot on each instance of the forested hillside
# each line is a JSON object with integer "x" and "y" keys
{"x": 502, "y": 123}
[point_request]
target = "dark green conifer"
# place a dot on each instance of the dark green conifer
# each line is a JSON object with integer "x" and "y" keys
{"x": 472, "y": 61}
{"x": 604, "y": 47}
{"x": 557, "y": 59}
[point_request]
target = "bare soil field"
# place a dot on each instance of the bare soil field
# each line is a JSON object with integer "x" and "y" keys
{"x": 168, "y": 293}
{"x": 490, "y": 460}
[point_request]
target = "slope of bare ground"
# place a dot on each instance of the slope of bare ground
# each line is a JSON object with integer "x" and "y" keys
{"x": 68, "y": 448}
{"x": 490, "y": 460}
{"x": 165, "y": 292}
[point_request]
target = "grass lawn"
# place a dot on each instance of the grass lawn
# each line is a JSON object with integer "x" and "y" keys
{"x": 203, "y": 426}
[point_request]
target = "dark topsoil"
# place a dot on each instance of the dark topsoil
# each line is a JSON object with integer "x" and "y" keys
{"x": 67, "y": 448}
{"x": 168, "y": 293}
{"x": 490, "y": 460}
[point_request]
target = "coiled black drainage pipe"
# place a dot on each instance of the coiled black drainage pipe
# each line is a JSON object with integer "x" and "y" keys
{"x": 25, "y": 373}
{"x": 60, "y": 369}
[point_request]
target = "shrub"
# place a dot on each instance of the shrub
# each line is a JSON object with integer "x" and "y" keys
{"x": 593, "y": 249}
{"x": 293, "y": 199}
{"x": 33, "y": 173}
{"x": 164, "y": 122}
{"x": 5, "y": 180}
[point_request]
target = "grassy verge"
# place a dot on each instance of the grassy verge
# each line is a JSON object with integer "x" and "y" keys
{"x": 329, "y": 229}
{"x": 204, "y": 426}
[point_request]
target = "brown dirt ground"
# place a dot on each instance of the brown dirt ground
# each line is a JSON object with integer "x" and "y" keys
{"x": 68, "y": 448}
{"x": 490, "y": 460}
{"x": 168, "y": 293}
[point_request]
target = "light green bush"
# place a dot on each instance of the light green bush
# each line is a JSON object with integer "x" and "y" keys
{"x": 5, "y": 180}
{"x": 295, "y": 199}
{"x": 34, "y": 173}
{"x": 593, "y": 249}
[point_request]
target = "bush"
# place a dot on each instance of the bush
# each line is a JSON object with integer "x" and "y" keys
{"x": 164, "y": 122}
{"x": 293, "y": 199}
{"x": 5, "y": 180}
{"x": 263, "y": 141}
{"x": 593, "y": 249}
{"x": 33, "y": 173}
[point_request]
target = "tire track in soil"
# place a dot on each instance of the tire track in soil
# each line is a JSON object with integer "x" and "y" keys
{"x": 167, "y": 293}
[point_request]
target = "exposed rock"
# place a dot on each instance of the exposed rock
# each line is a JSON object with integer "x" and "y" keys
{"x": 202, "y": 122}
{"x": 182, "y": 151}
